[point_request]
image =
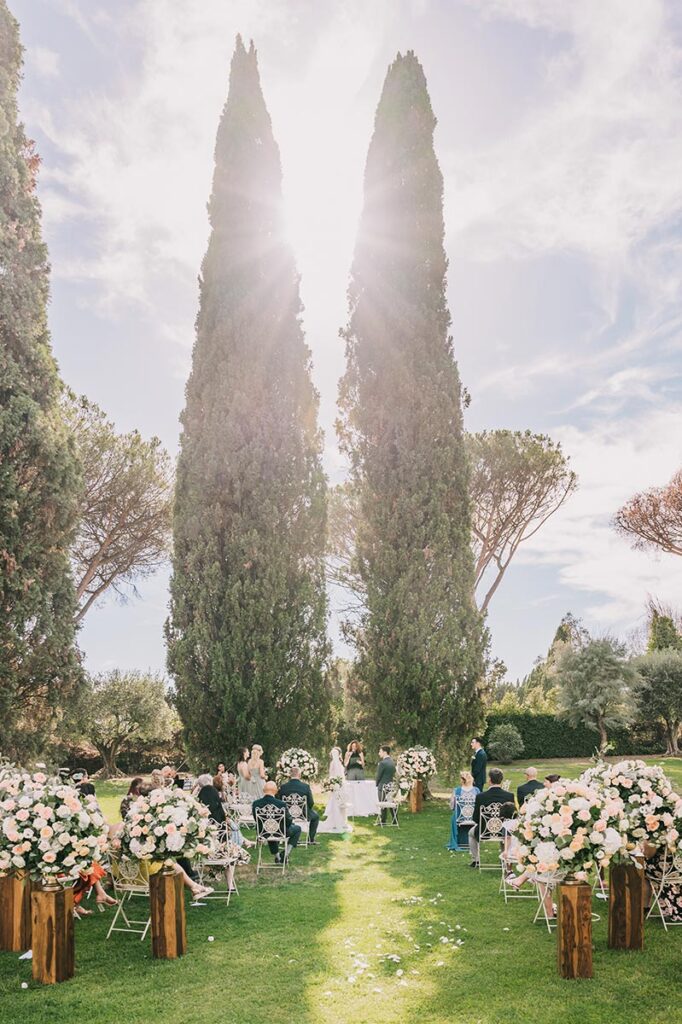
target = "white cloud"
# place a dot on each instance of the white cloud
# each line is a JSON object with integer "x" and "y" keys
{"x": 43, "y": 61}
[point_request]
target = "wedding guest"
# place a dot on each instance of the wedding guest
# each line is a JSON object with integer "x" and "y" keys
{"x": 158, "y": 779}
{"x": 257, "y": 769}
{"x": 244, "y": 776}
{"x": 354, "y": 762}
{"x": 493, "y": 795}
{"x": 531, "y": 785}
{"x": 293, "y": 831}
{"x": 170, "y": 774}
{"x": 479, "y": 763}
{"x": 83, "y": 784}
{"x": 463, "y": 795}
{"x": 207, "y": 794}
{"x": 384, "y": 776}
{"x": 295, "y": 786}
{"x": 550, "y": 780}
{"x": 220, "y": 768}
{"x": 669, "y": 893}
{"x": 134, "y": 790}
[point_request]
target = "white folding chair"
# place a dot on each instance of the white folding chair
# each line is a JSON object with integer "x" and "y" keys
{"x": 509, "y": 860}
{"x": 298, "y": 809}
{"x": 388, "y": 804}
{"x": 545, "y": 884}
{"x": 490, "y": 830}
{"x": 217, "y": 864}
{"x": 240, "y": 808}
{"x": 671, "y": 874}
{"x": 271, "y": 827}
{"x": 130, "y": 878}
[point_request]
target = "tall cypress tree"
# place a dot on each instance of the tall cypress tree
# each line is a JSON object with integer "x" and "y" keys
{"x": 421, "y": 642}
{"x": 39, "y": 475}
{"x": 247, "y": 630}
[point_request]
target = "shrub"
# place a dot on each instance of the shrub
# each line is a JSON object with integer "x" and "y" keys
{"x": 506, "y": 743}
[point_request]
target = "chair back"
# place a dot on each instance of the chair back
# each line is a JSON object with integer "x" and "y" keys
{"x": 465, "y": 803}
{"x": 492, "y": 824}
{"x": 271, "y": 824}
{"x": 130, "y": 875}
{"x": 389, "y": 793}
{"x": 298, "y": 806}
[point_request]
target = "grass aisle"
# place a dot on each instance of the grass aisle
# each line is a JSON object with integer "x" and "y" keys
{"x": 381, "y": 926}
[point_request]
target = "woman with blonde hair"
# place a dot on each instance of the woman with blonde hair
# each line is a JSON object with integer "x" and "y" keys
{"x": 257, "y": 769}
{"x": 462, "y": 804}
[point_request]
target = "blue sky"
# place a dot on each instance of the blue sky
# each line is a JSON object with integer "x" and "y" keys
{"x": 560, "y": 139}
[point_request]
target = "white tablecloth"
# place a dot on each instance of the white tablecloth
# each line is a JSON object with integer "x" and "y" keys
{"x": 362, "y": 798}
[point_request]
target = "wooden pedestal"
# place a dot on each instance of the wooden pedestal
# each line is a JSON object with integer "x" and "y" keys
{"x": 52, "y": 939}
{"x": 626, "y": 907}
{"x": 574, "y": 930}
{"x": 417, "y": 796}
{"x": 15, "y": 914}
{"x": 167, "y": 905}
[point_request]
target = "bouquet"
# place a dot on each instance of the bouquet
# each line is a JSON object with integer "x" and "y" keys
{"x": 48, "y": 829}
{"x": 167, "y": 824}
{"x": 650, "y": 804}
{"x": 569, "y": 828}
{"x": 415, "y": 764}
{"x": 295, "y": 757}
{"x": 332, "y": 784}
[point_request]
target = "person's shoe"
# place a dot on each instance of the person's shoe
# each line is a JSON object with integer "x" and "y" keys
{"x": 278, "y": 858}
{"x": 474, "y": 864}
{"x": 313, "y": 842}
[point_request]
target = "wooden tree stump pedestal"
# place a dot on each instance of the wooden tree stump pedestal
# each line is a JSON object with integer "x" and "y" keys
{"x": 417, "y": 796}
{"x": 52, "y": 938}
{"x": 626, "y": 907}
{"x": 574, "y": 930}
{"x": 15, "y": 914}
{"x": 167, "y": 905}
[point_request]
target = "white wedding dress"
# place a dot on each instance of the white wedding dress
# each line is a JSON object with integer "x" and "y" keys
{"x": 335, "y": 816}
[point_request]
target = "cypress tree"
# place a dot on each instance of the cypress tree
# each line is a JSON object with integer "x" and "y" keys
{"x": 662, "y": 633}
{"x": 39, "y": 475}
{"x": 421, "y": 641}
{"x": 247, "y": 629}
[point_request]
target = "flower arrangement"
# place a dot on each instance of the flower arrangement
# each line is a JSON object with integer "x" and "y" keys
{"x": 651, "y": 806}
{"x": 569, "y": 828}
{"x": 48, "y": 829}
{"x": 295, "y": 757}
{"x": 413, "y": 765}
{"x": 166, "y": 824}
{"x": 332, "y": 784}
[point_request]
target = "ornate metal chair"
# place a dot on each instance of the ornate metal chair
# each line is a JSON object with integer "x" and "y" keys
{"x": 509, "y": 859}
{"x": 490, "y": 830}
{"x": 298, "y": 809}
{"x": 271, "y": 827}
{"x": 129, "y": 878}
{"x": 221, "y": 863}
{"x": 465, "y": 803}
{"x": 388, "y": 804}
{"x": 671, "y": 874}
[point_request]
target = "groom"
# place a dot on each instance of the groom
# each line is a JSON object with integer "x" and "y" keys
{"x": 385, "y": 776}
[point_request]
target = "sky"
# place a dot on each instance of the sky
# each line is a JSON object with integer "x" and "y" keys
{"x": 560, "y": 139}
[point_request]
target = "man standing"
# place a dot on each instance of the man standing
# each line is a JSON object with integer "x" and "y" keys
{"x": 479, "y": 763}
{"x": 531, "y": 785}
{"x": 494, "y": 795}
{"x": 293, "y": 831}
{"x": 385, "y": 775}
{"x": 298, "y": 788}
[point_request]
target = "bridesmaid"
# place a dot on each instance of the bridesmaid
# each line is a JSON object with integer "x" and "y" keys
{"x": 257, "y": 769}
{"x": 244, "y": 777}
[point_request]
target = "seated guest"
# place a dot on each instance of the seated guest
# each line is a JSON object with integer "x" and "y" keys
{"x": 134, "y": 790}
{"x": 83, "y": 784}
{"x": 511, "y": 844}
{"x": 529, "y": 786}
{"x": 493, "y": 795}
{"x": 550, "y": 780}
{"x": 296, "y": 787}
{"x": 158, "y": 779}
{"x": 464, "y": 794}
{"x": 292, "y": 830}
{"x": 207, "y": 794}
{"x": 169, "y": 774}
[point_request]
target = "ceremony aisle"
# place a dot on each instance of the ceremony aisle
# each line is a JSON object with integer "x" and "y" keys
{"x": 384, "y": 926}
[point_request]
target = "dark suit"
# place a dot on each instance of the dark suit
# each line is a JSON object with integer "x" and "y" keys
{"x": 526, "y": 789}
{"x": 479, "y": 765}
{"x": 296, "y": 786}
{"x": 293, "y": 831}
{"x": 210, "y": 797}
{"x": 494, "y": 795}
{"x": 384, "y": 777}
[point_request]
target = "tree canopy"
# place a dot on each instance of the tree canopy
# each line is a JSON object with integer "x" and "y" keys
{"x": 653, "y": 519}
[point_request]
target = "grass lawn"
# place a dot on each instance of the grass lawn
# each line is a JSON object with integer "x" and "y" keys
{"x": 316, "y": 948}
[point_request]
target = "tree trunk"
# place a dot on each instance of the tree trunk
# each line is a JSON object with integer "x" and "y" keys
{"x": 109, "y": 766}
{"x": 672, "y": 730}
{"x": 603, "y": 736}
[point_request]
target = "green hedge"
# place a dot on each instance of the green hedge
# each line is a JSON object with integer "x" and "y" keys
{"x": 547, "y": 736}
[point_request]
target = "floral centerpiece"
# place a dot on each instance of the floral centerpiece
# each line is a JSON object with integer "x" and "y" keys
{"x": 416, "y": 764}
{"x": 296, "y": 757}
{"x": 651, "y": 806}
{"x": 48, "y": 829}
{"x": 167, "y": 824}
{"x": 570, "y": 828}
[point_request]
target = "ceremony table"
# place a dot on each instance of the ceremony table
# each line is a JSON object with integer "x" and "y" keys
{"x": 362, "y": 798}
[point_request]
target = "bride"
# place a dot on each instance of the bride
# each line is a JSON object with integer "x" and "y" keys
{"x": 335, "y": 816}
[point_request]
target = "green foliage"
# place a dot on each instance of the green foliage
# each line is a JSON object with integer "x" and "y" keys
{"x": 545, "y": 735}
{"x": 663, "y": 633}
{"x": 124, "y": 518}
{"x": 661, "y": 694}
{"x": 597, "y": 687}
{"x": 246, "y": 633}
{"x": 420, "y": 639}
{"x": 506, "y": 743}
{"x": 118, "y": 710}
{"x": 39, "y": 475}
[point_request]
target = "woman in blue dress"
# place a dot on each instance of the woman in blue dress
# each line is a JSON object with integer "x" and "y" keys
{"x": 462, "y": 805}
